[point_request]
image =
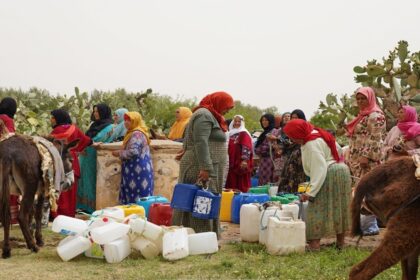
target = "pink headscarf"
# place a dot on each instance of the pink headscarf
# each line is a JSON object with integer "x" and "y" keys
{"x": 372, "y": 107}
{"x": 409, "y": 121}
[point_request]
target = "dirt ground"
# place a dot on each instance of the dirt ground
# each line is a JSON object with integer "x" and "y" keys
{"x": 230, "y": 233}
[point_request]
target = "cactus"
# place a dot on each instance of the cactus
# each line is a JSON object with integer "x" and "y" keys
{"x": 396, "y": 83}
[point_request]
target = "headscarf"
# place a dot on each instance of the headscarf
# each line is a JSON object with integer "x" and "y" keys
{"x": 261, "y": 138}
{"x": 241, "y": 128}
{"x": 177, "y": 129}
{"x": 372, "y": 107}
{"x": 137, "y": 124}
{"x": 61, "y": 117}
{"x": 299, "y": 113}
{"x": 410, "y": 119}
{"x": 301, "y": 129}
{"x": 216, "y": 103}
{"x": 413, "y": 131}
{"x": 8, "y": 107}
{"x": 277, "y": 121}
{"x": 105, "y": 119}
{"x": 119, "y": 129}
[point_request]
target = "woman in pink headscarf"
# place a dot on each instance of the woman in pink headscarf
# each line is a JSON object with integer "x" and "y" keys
{"x": 403, "y": 133}
{"x": 366, "y": 134}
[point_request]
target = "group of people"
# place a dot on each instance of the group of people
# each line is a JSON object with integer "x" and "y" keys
{"x": 219, "y": 154}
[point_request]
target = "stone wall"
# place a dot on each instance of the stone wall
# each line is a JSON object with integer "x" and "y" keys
{"x": 166, "y": 170}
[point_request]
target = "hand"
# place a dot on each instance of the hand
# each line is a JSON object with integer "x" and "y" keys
{"x": 364, "y": 162}
{"x": 96, "y": 144}
{"x": 116, "y": 153}
{"x": 304, "y": 197}
{"x": 179, "y": 154}
{"x": 271, "y": 137}
{"x": 203, "y": 176}
{"x": 244, "y": 164}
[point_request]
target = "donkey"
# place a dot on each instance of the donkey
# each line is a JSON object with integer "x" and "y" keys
{"x": 391, "y": 192}
{"x": 20, "y": 166}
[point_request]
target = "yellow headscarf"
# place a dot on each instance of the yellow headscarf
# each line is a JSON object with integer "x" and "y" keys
{"x": 177, "y": 129}
{"x": 138, "y": 124}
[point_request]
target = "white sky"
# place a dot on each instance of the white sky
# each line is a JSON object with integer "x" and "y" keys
{"x": 288, "y": 54}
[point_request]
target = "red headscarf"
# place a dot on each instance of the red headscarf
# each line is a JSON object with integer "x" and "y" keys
{"x": 216, "y": 103}
{"x": 410, "y": 120}
{"x": 372, "y": 107}
{"x": 301, "y": 129}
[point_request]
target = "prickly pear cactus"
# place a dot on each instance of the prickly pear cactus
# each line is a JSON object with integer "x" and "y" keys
{"x": 396, "y": 81}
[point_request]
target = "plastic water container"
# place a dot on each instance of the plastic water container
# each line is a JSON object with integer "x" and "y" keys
{"x": 203, "y": 243}
{"x": 183, "y": 197}
{"x": 304, "y": 187}
{"x": 250, "y": 222}
{"x": 117, "y": 250}
{"x": 293, "y": 207}
{"x": 226, "y": 206}
{"x": 260, "y": 189}
{"x": 108, "y": 233}
{"x": 285, "y": 236}
{"x": 149, "y": 230}
{"x": 206, "y": 205}
{"x": 95, "y": 251}
{"x": 245, "y": 198}
{"x": 272, "y": 191}
{"x": 272, "y": 211}
{"x": 254, "y": 181}
{"x": 114, "y": 213}
{"x": 68, "y": 225}
{"x": 149, "y": 200}
{"x": 147, "y": 248}
{"x": 160, "y": 214}
{"x": 72, "y": 246}
{"x": 175, "y": 244}
{"x": 133, "y": 209}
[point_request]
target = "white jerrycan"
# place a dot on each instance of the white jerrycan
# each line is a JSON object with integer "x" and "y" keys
{"x": 117, "y": 250}
{"x": 249, "y": 226}
{"x": 175, "y": 244}
{"x": 68, "y": 225}
{"x": 285, "y": 236}
{"x": 203, "y": 243}
{"x": 72, "y": 246}
{"x": 146, "y": 247}
{"x": 109, "y": 232}
{"x": 272, "y": 211}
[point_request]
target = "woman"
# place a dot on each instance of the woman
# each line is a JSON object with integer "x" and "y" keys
{"x": 182, "y": 117}
{"x": 137, "y": 168}
{"x": 366, "y": 134}
{"x": 285, "y": 118}
{"x": 277, "y": 121}
{"x": 330, "y": 194}
{"x": 118, "y": 129}
{"x": 292, "y": 172}
{"x": 240, "y": 156}
{"x": 8, "y": 109}
{"x": 98, "y": 132}
{"x": 63, "y": 129}
{"x": 204, "y": 154}
{"x": 264, "y": 148}
{"x": 399, "y": 135}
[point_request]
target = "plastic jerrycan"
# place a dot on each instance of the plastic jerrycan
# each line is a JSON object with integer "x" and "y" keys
{"x": 226, "y": 206}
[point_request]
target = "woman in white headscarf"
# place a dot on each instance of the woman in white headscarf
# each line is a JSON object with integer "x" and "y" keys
{"x": 240, "y": 156}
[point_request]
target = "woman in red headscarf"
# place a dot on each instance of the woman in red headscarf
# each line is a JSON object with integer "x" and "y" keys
{"x": 204, "y": 154}
{"x": 63, "y": 129}
{"x": 329, "y": 197}
{"x": 366, "y": 134}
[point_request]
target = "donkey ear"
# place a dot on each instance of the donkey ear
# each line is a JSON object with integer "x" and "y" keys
{"x": 73, "y": 144}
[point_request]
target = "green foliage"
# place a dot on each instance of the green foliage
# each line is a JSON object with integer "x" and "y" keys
{"x": 34, "y": 107}
{"x": 396, "y": 82}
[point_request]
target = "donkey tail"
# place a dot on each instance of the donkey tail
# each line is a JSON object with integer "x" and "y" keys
{"x": 4, "y": 193}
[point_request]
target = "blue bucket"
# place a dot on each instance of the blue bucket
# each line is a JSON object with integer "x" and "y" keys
{"x": 206, "y": 205}
{"x": 183, "y": 197}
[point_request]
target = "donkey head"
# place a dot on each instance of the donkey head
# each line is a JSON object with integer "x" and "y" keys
{"x": 64, "y": 149}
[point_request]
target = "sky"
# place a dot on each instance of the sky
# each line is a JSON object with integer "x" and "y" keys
{"x": 288, "y": 54}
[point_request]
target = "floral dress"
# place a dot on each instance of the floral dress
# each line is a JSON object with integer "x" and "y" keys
{"x": 367, "y": 141}
{"x": 137, "y": 170}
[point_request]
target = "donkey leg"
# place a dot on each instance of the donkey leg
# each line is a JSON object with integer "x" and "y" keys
{"x": 410, "y": 265}
{"x": 38, "y": 218}
{"x": 25, "y": 212}
{"x": 6, "y": 241}
{"x": 5, "y": 206}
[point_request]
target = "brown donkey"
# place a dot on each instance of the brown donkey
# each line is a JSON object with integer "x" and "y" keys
{"x": 392, "y": 193}
{"x": 20, "y": 167}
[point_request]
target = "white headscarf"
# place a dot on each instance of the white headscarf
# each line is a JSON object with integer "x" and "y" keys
{"x": 233, "y": 131}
